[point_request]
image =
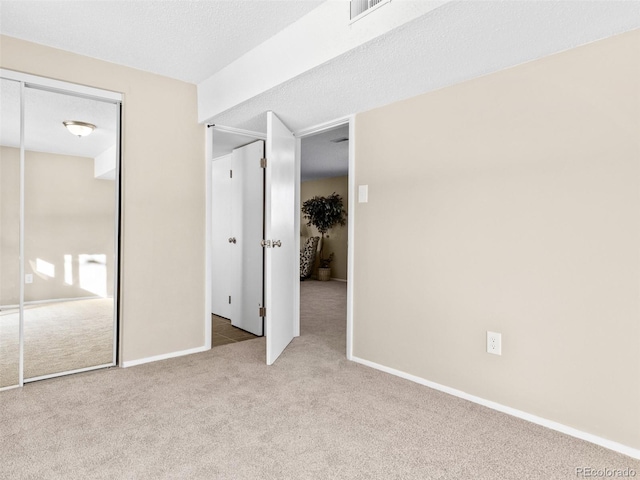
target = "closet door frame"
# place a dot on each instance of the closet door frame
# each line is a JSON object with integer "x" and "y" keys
{"x": 56, "y": 86}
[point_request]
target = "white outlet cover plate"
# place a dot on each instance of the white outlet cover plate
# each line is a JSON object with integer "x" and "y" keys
{"x": 494, "y": 343}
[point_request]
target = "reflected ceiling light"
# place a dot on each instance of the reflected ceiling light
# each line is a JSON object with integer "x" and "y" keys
{"x": 81, "y": 129}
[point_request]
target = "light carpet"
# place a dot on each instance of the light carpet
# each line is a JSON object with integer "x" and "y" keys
{"x": 224, "y": 414}
{"x": 58, "y": 337}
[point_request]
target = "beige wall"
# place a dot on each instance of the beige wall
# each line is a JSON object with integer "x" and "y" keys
{"x": 67, "y": 212}
{"x": 337, "y": 241}
{"x": 163, "y": 179}
{"x": 511, "y": 205}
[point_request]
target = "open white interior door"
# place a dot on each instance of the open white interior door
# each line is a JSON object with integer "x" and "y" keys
{"x": 280, "y": 260}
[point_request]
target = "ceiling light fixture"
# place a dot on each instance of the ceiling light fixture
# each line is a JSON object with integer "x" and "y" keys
{"x": 81, "y": 129}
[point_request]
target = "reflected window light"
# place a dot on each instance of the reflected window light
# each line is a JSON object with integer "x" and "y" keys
{"x": 92, "y": 273}
{"x": 68, "y": 269}
{"x": 45, "y": 268}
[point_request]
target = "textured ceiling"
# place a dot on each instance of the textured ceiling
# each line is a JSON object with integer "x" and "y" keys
{"x": 183, "y": 39}
{"x": 453, "y": 43}
{"x": 320, "y": 157}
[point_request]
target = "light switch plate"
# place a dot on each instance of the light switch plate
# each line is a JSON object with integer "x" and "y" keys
{"x": 363, "y": 193}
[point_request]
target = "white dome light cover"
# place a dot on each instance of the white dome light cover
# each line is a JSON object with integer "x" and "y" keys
{"x": 80, "y": 129}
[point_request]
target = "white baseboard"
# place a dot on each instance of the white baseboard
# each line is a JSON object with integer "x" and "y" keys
{"x": 164, "y": 356}
{"x": 2, "y": 389}
{"x": 69, "y": 372}
{"x": 315, "y": 277}
{"x": 603, "y": 442}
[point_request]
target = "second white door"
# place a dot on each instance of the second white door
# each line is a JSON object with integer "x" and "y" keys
{"x": 238, "y": 226}
{"x": 247, "y": 225}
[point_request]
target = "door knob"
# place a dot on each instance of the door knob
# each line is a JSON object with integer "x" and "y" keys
{"x": 265, "y": 243}
{"x": 232, "y": 240}
{"x": 277, "y": 243}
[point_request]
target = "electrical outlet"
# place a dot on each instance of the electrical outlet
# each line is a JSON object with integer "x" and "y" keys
{"x": 28, "y": 278}
{"x": 494, "y": 343}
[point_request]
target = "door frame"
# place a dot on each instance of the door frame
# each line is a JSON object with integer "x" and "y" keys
{"x": 299, "y": 134}
{"x": 307, "y": 132}
{"x": 208, "y": 160}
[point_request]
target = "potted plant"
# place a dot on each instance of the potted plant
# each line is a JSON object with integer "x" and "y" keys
{"x": 324, "y": 213}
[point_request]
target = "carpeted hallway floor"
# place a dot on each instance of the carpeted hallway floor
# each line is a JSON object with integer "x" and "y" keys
{"x": 223, "y": 414}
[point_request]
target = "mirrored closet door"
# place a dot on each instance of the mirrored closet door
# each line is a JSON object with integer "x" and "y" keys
{"x": 67, "y": 210}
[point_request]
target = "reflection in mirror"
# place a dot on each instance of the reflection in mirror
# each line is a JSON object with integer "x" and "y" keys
{"x": 9, "y": 232}
{"x": 69, "y": 221}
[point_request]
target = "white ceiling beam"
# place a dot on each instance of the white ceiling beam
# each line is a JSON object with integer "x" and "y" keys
{"x": 318, "y": 37}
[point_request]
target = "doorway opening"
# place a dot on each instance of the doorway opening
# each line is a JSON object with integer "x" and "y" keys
{"x": 282, "y": 227}
{"x": 324, "y": 247}
{"x": 237, "y": 228}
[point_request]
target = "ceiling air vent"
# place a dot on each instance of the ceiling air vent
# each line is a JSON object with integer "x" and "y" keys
{"x": 359, "y": 8}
